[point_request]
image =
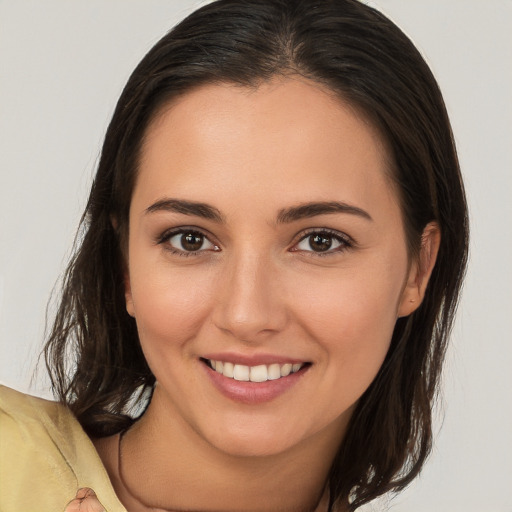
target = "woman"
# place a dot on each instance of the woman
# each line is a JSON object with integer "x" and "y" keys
{"x": 272, "y": 250}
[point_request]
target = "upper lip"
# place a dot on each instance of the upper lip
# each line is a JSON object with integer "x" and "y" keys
{"x": 253, "y": 359}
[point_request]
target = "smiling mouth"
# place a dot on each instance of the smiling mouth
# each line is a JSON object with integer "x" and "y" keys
{"x": 259, "y": 373}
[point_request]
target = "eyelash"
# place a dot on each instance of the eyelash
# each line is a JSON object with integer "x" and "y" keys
{"x": 345, "y": 242}
{"x": 167, "y": 235}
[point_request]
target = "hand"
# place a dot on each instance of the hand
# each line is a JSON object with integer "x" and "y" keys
{"x": 85, "y": 501}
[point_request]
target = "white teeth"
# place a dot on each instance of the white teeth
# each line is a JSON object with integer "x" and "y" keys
{"x": 286, "y": 369}
{"x": 240, "y": 372}
{"x": 274, "y": 371}
{"x": 259, "y": 373}
{"x": 228, "y": 370}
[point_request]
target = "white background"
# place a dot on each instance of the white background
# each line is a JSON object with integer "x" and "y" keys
{"x": 62, "y": 66}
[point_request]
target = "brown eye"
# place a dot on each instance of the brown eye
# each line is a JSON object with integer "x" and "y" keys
{"x": 190, "y": 241}
{"x": 320, "y": 243}
{"x": 323, "y": 242}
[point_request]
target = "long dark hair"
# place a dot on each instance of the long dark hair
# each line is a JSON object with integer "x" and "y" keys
{"x": 93, "y": 352}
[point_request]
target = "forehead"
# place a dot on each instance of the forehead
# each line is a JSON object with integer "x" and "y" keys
{"x": 287, "y": 137}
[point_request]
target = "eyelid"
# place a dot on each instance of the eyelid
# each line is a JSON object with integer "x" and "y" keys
{"x": 169, "y": 233}
{"x": 347, "y": 241}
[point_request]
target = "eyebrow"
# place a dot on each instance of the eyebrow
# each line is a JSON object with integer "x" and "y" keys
{"x": 285, "y": 216}
{"x": 306, "y": 210}
{"x": 203, "y": 210}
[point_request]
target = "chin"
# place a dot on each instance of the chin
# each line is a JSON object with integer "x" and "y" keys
{"x": 271, "y": 435}
{"x": 252, "y": 444}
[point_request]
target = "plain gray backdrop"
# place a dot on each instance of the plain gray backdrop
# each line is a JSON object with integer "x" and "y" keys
{"x": 62, "y": 66}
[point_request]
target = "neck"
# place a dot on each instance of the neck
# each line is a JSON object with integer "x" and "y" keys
{"x": 164, "y": 465}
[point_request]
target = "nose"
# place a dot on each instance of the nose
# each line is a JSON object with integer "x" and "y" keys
{"x": 251, "y": 301}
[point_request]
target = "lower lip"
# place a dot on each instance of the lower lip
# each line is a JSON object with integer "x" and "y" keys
{"x": 253, "y": 393}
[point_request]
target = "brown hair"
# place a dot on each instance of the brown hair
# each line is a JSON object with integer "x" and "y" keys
{"x": 93, "y": 352}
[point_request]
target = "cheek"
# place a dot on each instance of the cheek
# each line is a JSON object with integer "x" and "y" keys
{"x": 169, "y": 305}
{"x": 352, "y": 320}
{"x": 349, "y": 304}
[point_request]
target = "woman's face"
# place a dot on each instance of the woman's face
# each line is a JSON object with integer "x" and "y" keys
{"x": 266, "y": 241}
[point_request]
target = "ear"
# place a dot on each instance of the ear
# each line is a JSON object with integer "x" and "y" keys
{"x": 126, "y": 274}
{"x": 420, "y": 271}
{"x": 128, "y": 294}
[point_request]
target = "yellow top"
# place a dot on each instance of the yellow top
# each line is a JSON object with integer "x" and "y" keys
{"x": 45, "y": 457}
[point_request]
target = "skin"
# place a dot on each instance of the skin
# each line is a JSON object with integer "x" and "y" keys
{"x": 256, "y": 286}
{"x": 85, "y": 501}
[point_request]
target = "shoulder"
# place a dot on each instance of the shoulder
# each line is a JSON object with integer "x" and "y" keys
{"x": 31, "y": 462}
{"x": 29, "y": 417}
{"x": 45, "y": 456}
